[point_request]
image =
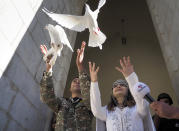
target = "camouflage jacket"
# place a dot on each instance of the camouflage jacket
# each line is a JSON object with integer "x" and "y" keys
{"x": 69, "y": 116}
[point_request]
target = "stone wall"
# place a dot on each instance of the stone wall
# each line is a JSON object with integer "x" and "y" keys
{"x": 20, "y": 105}
{"x": 15, "y": 18}
{"x": 165, "y": 18}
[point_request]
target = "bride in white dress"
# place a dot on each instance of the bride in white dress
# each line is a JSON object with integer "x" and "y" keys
{"x": 125, "y": 112}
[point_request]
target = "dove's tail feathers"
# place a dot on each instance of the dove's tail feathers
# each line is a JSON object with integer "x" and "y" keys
{"x": 96, "y": 40}
{"x": 43, "y": 49}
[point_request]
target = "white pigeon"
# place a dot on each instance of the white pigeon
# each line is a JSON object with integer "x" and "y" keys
{"x": 58, "y": 39}
{"x": 80, "y": 23}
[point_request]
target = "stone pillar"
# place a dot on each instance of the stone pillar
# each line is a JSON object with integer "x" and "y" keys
{"x": 165, "y": 16}
{"x": 20, "y": 105}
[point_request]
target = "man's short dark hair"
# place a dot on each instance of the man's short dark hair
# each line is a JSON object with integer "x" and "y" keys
{"x": 165, "y": 96}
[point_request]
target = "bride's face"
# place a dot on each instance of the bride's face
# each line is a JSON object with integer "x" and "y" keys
{"x": 119, "y": 90}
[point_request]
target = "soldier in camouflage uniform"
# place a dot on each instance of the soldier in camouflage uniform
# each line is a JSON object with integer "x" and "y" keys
{"x": 74, "y": 113}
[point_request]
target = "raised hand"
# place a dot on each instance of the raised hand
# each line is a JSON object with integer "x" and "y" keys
{"x": 44, "y": 51}
{"x": 80, "y": 57}
{"x": 126, "y": 66}
{"x": 93, "y": 72}
{"x": 163, "y": 110}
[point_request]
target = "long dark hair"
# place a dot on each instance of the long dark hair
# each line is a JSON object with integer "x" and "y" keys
{"x": 128, "y": 101}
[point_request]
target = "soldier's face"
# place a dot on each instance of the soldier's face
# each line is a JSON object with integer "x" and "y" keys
{"x": 75, "y": 85}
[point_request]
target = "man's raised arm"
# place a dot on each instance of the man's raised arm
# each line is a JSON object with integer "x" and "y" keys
{"x": 83, "y": 76}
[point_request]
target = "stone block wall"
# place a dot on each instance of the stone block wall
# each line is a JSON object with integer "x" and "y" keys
{"x": 20, "y": 105}
{"x": 165, "y": 18}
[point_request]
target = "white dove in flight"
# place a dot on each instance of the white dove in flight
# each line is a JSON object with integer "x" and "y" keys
{"x": 58, "y": 39}
{"x": 80, "y": 23}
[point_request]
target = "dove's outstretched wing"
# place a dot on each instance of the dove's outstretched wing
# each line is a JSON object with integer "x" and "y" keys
{"x": 63, "y": 36}
{"x": 72, "y": 22}
{"x": 58, "y": 35}
{"x": 96, "y": 40}
{"x": 54, "y": 35}
{"x": 101, "y": 3}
